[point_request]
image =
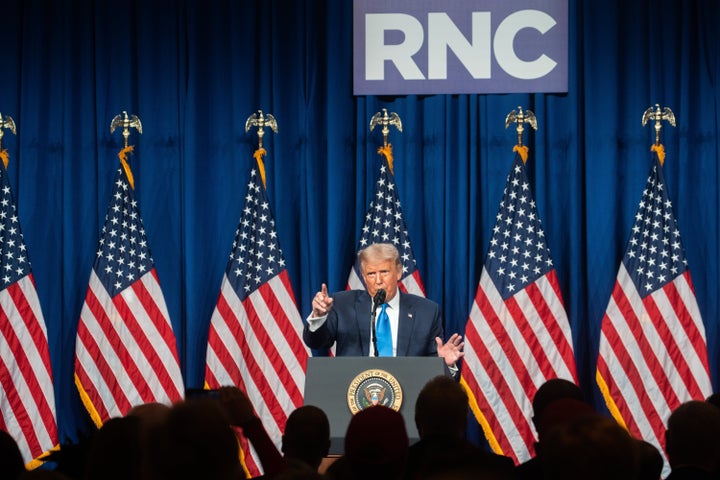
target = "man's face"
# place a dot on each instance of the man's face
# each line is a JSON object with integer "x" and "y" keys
{"x": 383, "y": 274}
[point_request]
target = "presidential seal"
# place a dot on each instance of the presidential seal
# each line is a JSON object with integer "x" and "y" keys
{"x": 374, "y": 387}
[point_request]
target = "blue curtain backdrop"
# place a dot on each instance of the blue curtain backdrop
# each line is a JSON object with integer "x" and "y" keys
{"x": 194, "y": 70}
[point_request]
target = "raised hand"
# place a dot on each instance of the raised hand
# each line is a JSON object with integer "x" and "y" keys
{"x": 322, "y": 302}
{"x": 450, "y": 351}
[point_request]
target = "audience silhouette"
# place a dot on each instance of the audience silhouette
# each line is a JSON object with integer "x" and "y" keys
{"x": 441, "y": 416}
{"x": 589, "y": 447}
{"x": 567, "y": 402}
{"x": 650, "y": 461}
{"x": 40, "y": 474}
{"x": 307, "y": 436}
{"x": 115, "y": 452}
{"x": 305, "y": 443}
{"x": 11, "y": 461}
{"x": 692, "y": 441}
{"x": 198, "y": 439}
{"x": 376, "y": 444}
{"x": 194, "y": 441}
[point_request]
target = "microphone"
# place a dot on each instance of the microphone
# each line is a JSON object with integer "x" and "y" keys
{"x": 378, "y": 299}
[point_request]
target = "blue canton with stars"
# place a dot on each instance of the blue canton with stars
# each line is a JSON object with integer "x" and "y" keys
{"x": 517, "y": 255}
{"x": 384, "y": 222}
{"x": 123, "y": 255}
{"x": 655, "y": 254}
{"x": 256, "y": 256}
{"x": 14, "y": 263}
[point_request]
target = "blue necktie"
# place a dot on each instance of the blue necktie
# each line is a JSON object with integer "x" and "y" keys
{"x": 383, "y": 334}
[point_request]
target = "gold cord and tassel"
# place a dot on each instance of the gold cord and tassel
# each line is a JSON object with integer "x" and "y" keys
{"x": 122, "y": 155}
{"x": 523, "y": 151}
{"x": 660, "y": 150}
{"x": 386, "y": 150}
{"x": 259, "y": 154}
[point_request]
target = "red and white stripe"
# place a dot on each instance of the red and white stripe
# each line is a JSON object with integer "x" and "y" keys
{"x": 256, "y": 344}
{"x": 652, "y": 355}
{"x": 511, "y": 348}
{"x": 27, "y": 400}
{"x": 125, "y": 352}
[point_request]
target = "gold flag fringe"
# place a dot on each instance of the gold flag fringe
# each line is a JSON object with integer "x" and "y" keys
{"x": 387, "y": 151}
{"x": 480, "y": 417}
{"x": 660, "y": 150}
{"x": 522, "y": 150}
{"x": 259, "y": 154}
{"x": 122, "y": 155}
{"x": 5, "y": 157}
{"x": 41, "y": 459}
{"x": 85, "y": 398}
{"x": 611, "y": 405}
{"x": 241, "y": 454}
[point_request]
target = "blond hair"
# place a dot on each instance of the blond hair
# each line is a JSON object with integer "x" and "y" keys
{"x": 379, "y": 252}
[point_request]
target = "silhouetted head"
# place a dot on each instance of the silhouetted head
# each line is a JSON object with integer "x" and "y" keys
{"x": 442, "y": 408}
{"x": 714, "y": 399}
{"x": 559, "y": 412}
{"x": 307, "y": 435}
{"x": 194, "y": 441}
{"x": 650, "y": 461}
{"x": 589, "y": 448}
{"x": 551, "y": 390}
{"x": 692, "y": 437}
{"x": 115, "y": 451}
{"x": 376, "y": 439}
{"x": 11, "y": 461}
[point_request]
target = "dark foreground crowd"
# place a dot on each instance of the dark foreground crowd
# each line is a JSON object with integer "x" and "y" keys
{"x": 197, "y": 439}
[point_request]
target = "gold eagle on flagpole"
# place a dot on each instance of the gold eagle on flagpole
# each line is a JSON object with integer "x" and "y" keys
{"x": 658, "y": 115}
{"x": 126, "y": 122}
{"x": 385, "y": 119}
{"x": 8, "y": 123}
{"x": 261, "y": 121}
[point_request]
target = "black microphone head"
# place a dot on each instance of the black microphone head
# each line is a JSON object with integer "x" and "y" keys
{"x": 379, "y": 296}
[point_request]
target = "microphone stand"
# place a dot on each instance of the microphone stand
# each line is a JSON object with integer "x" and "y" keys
{"x": 372, "y": 326}
{"x": 377, "y": 300}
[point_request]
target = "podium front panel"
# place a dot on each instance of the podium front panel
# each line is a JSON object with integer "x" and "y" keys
{"x": 329, "y": 379}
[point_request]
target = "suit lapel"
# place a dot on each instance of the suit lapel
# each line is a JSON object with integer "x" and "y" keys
{"x": 363, "y": 309}
{"x": 405, "y": 324}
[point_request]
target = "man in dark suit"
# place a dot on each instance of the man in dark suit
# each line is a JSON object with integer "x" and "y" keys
{"x": 344, "y": 319}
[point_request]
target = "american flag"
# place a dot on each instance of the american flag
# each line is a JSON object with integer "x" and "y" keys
{"x": 255, "y": 339}
{"x": 27, "y": 400}
{"x": 384, "y": 223}
{"x": 518, "y": 335}
{"x": 125, "y": 350}
{"x": 652, "y": 354}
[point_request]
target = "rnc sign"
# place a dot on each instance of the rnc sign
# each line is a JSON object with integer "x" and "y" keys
{"x": 405, "y": 47}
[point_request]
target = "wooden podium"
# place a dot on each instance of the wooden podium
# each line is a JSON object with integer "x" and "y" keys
{"x": 344, "y": 385}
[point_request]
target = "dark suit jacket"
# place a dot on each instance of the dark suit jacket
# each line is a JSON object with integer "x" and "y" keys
{"x": 348, "y": 325}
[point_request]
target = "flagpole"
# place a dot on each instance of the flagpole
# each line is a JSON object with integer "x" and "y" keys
{"x": 126, "y": 122}
{"x": 508, "y": 351}
{"x": 658, "y": 116}
{"x": 255, "y": 336}
{"x": 28, "y": 413}
{"x": 519, "y": 118}
{"x": 382, "y": 118}
{"x": 261, "y": 121}
{"x": 137, "y": 362}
